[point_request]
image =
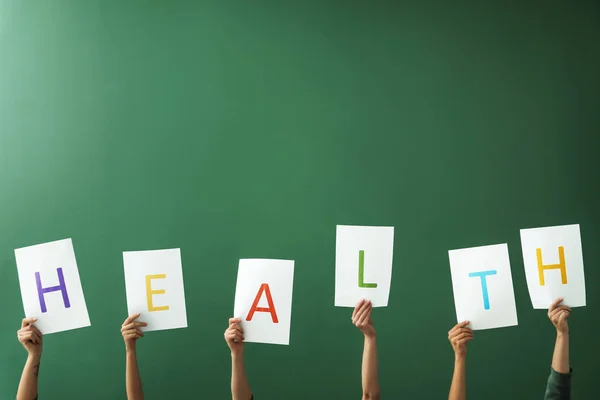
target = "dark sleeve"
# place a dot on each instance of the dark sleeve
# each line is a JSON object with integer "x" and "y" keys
{"x": 559, "y": 386}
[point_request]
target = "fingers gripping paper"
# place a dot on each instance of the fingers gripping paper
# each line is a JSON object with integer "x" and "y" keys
{"x": 263, "y": 300}
{"x": 50, "y": 286}
{"x": 154, "y": 286}
{"x": 483, "y": 287}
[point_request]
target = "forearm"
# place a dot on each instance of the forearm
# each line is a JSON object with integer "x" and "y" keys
{"x": 132, "y": 377}
{"x": 28, "y": 386}
{"x": 370, "y": 375}
{"x": 560, "y": 358}
{"x": 458, "y": 389}
{"x": 240, "y": 389}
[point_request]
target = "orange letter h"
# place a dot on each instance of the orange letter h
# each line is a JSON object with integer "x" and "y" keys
{"x": 561, "y": 265}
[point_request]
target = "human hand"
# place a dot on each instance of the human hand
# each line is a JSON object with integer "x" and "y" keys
{"x": 234, "y": 336}
{"x": 558, "y": 315}
{"x": 458, "y": 337}
{"x": 361, "y": 318}
{"x": 30, "y": 337}
{"x": 131, "y": 332}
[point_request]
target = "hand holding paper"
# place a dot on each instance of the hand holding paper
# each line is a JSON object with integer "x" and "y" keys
{"x": 234, "y": 336}
{"x": 361, "y": 318}
{"x": 558, "y": 315}
{"x": 30, "y": 337}
{"x": 458, "y": 337}
{"x": 131, "y": 332}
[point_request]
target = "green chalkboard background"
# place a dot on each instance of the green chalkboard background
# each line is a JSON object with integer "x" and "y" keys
{"x": 236, "y": 129}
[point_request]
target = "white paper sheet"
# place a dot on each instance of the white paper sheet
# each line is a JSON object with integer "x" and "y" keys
{"x": 154, "y": 286}
{"x": 483, "y": 287}
{"x": 265, "y": 319}
{"x": 567, "y": 281}
{"x": 363, "y": 265}
{"x": 50, "y": 286}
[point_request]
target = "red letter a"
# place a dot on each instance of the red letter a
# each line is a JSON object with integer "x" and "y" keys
{"x": 271, "y": 309}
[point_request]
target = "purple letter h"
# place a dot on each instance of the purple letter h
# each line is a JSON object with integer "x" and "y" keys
{"x": 61, "y": 286}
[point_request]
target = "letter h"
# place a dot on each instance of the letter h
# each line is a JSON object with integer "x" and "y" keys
{"x": 61, "y": 286}
{"x": 562, "y": 265}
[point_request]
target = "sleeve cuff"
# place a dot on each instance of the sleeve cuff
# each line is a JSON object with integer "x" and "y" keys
{"x": 561, "y": 379}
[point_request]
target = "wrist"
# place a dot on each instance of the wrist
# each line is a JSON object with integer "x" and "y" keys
{"x": 237, "y": 355}
{"x": 34, "y": 357}
{"x": 369, "y": 331}
{"x": 370, "y": 336}
{"x": 459, "y": 358}
{"x": 130, "y": 349}
{"x": 561, "y": 335}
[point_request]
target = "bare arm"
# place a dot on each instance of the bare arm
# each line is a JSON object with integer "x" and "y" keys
{"x": 458, "y": 389}
{"x": 558, "y": 386}
{"x": 31, "y": 338}
{"x": 131, "y": 333}
{"x": 459, "y": 336}
{"x": 560, "y": 358}
{"x": 240, "y": 388}
{"x": 234, "y": 336}
{"x": 361, "y": 318}
{"x": 28, "y": 386}
{"x": 370, "y": 375}
{"x": 132, "y": 377}
{"x": 558, "y": 315}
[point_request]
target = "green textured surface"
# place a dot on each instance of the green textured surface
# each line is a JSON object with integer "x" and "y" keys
{"x": 239, "y": 129}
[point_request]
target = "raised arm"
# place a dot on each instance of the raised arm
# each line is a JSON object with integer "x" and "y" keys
{"x": 361, "y": 318}
{"x": 234, "y": 336}
{"x": 559, "y": 381}
{"x": 31, "y": 338}
{"x": 131, "y": 333}
{"x": 459, "y": 336}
